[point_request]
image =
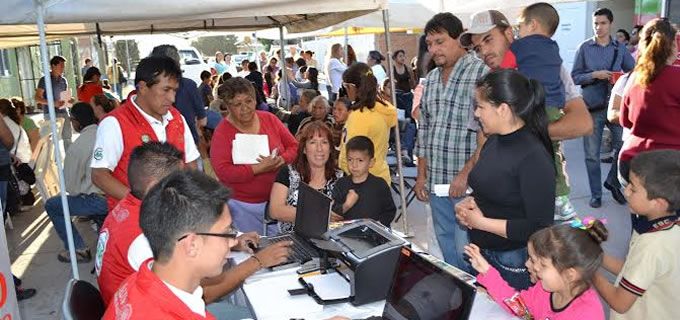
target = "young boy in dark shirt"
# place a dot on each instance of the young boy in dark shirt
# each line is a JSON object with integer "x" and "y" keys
{"x": 363, "y": 195}
{"x": 205, "y": 88}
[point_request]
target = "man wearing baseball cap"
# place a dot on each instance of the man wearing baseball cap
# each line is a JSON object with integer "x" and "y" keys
{"x": 490, "y": 35}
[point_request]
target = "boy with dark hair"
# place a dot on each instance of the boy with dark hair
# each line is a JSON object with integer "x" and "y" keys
{"x": 363, "y": 195}
{"x": 205, "y": 88}
{"x": 647, "y": 283}
{"x": 188, "y": 226}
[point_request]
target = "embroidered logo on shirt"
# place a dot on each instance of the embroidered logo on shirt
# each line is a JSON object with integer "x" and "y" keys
{"x": 145, "y": 138}
{"x": 98, "y": 154}
{"x": 101, "y": 248}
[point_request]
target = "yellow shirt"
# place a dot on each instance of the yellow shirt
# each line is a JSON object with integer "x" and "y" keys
{"x": 375, "y": 124}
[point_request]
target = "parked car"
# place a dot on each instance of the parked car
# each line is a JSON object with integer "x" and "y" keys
{"x": 192, "y": 64}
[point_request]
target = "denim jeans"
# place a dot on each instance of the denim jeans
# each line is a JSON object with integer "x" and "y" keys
{"x": 511, "y": 265}
{"x": 591, "y": 147}
{"x": 3, "y": 195}
{"x": 81, "y": 205}
{"x": 451, "y": 236}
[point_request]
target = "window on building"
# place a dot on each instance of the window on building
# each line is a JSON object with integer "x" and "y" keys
{"x": 5, "y": 70}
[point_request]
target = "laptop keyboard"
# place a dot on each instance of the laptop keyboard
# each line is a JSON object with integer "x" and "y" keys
{"x": 300, "y": 252}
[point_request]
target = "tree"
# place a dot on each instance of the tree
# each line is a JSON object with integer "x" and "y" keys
{"x": 121, "y": 54}
{"x": 267, "y": 43}
{"x": 207, "y": 46}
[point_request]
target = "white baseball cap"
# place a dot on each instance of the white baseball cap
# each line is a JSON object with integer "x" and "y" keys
{"x": 483, "y": 22}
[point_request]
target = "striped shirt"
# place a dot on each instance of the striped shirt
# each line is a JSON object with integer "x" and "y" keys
{"x": 444, "y": 138}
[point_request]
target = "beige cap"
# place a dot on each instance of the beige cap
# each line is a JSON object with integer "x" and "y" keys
{"x": 483, "y": 22}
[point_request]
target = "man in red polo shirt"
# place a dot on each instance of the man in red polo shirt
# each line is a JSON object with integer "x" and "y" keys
{"x": 122, "y": 247}
{"x": 146, "y": 116}
{"x": 188, "y": 225}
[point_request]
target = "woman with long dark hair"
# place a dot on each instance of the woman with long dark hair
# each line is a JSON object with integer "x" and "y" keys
{"x": 311, "y": 81}
{"x": 514, "y": 178}
{"x": 370, "y": 116}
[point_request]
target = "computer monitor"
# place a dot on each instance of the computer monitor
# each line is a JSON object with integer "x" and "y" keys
{"x": 423, "y": 291}
{"x": 312, "y": 213}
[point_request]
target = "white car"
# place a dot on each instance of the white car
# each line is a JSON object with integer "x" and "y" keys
{"x": 192, "y": 64}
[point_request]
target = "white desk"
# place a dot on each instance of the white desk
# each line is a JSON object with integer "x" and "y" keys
{"x": 269, "y": 298}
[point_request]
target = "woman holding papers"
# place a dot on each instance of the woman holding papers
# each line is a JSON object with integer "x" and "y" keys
{"x": 247, "y": 150}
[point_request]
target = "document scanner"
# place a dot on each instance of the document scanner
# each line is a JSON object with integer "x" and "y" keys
{"x": 370, "y": 251}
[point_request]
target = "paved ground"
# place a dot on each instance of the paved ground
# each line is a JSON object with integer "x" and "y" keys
{"x": 34, "y": 244}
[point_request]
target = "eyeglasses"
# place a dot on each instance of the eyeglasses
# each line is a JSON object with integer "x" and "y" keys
{"x": 231, "y": 234}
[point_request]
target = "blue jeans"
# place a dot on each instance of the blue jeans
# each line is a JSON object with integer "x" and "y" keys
{"x": 451, "y": 236}
{"x": 511, "y": 265}
{"x": 591, "y": 147}
{"x": 408, "y": 137}
{"x": 80, "y": 205}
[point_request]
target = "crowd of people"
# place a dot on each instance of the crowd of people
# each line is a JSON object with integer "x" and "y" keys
{"x": 484, "y": 107}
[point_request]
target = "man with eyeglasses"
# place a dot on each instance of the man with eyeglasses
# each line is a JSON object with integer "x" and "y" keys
{"x": 123, "y": 247}
{"x": 490, "y": 36}
{"x": 188, "y": 226}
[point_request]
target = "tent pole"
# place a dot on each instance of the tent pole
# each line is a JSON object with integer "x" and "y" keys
{"x": 127, "y": 55}
{"x": 55, "y": 138}
{"x": 346, "y": 48}
{"x": 284, "y": 91}
{"x": 402, "y": 195}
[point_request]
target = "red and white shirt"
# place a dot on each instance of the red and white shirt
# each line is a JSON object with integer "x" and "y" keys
{"x": 145, "y": 296}
{"x": 121, "y": 248}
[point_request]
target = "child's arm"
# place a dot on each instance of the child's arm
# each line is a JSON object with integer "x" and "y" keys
{"x": 350, "y": 200}
{"x": 612, "y": 264}
{"x": 618, "y": 298}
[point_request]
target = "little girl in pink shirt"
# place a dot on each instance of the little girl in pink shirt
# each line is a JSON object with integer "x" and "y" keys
{"x": 563, "y": 260}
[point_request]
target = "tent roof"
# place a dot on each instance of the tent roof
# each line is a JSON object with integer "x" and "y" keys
{"x": 89, "y": 17}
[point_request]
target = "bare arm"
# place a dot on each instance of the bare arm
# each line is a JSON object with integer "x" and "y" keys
{"x": 575, "y": 123}
{"x": 39, "y": 93}
{"x": 6, "y": 137}
{"x": 104, "y": 180}
{"x": 459, "y": 184}
{"x": 618, "y": 298}
{"x": 33, "y": 138}
{"x": 614, "y": 110}
{"x": 278, "y": 208}
{"x": 420, "y": 188}
{"x": 612, "y": 264}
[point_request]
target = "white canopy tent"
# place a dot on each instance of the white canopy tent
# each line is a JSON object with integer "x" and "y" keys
{"x": 30, "y": 20}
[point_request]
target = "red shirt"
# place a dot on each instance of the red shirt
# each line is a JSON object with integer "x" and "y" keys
{"x": 246, "y": 186}
{"x": 144, "y": 296}
{"x": 120, "y": 229}
{"x": 652, "y": 113}
{"x": 88, "y": 90}
{"x": 136, "y": 130}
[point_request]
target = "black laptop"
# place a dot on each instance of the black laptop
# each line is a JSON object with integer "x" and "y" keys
{"x": 312, "y": 216}
{"x": 421, "y": 290}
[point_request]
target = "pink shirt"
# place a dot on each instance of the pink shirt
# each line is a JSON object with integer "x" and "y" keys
{"x": 537, "y": 300}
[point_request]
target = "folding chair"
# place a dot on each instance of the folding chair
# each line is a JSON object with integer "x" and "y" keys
{"x": 82, "y": 301}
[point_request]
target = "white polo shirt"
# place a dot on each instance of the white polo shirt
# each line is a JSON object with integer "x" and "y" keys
{"x": 109, "y": 144}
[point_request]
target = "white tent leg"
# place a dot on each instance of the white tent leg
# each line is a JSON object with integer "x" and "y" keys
{"x": 55, "y": 137}
{"x": 397, "y": 139}
{"x": 284, "y": 91}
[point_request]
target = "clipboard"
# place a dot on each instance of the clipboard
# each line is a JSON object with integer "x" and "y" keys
{"x": 327, "y": 288}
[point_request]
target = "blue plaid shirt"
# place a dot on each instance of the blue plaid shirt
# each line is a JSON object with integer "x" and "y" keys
{"x": 444, "y": 137}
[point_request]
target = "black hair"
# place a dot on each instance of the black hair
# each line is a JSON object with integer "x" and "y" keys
{"x": 57, "y": 60}
{"x": 445, "y": 22}
{"x": 151, "y": 68}
{"x": 252, "y": 66}
{"x": 87, "y": 60}
{"x": 625, "y": 34}
{"x": 604, "y": 12}
{"x": 659, "y": 172}
{"x": 301, "y": 62}
{"x": 7, "y": 109}
{"x": 205, "y": 75}
{"x": 313, "y": 77}
{"x": 185, "y": 201}
{"x": 166, "y": 50}
{"x": 376, "y": 55}
{"x": 525, "y": 97}
{"x": 396, "y": 53}
{"x": 309, "y": 52}
{"x": 104, "y": 102}
{"x": 91, "y": 73}
{"x": 274, "y": 58}
{"x": 303, "y": 69}
{"x": 544, "y": 14}
{"x": 245, "y": 61}
{"x": 233, "y": 86}
{"x": 361, "y": 143}
{"x": 149, "y": 163}
{"x": 637, "y": 27}
{"x": 360, "y": 75}
{"x": 83, "y": 112}
{"x": 289, "y": 60}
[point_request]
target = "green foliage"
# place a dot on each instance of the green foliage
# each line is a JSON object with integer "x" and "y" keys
{"x": 121, "y": 54}
{"x": 207, "y": 46}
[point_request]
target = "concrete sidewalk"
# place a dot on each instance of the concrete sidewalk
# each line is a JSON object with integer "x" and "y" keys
{"x": 34, "y": 245}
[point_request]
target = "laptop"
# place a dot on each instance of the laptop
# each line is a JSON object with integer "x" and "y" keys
{"x": 422, "y": 290}
{"x": 312, "y": 216}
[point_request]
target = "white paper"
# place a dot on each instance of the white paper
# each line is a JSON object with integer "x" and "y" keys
{"x": 330, "y": 286}
{"x": 265, "y": 289}
{"x": 246, "y": 148}
{"x": 66, "y": 97}
{"x": 441, "y": 190}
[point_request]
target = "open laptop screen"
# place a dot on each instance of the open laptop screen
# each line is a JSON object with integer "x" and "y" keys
{"x": 423, "y": 291}
{"x": 312, "y": 213}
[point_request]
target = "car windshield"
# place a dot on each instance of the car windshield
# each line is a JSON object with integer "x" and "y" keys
{"x": 186, "y": 55}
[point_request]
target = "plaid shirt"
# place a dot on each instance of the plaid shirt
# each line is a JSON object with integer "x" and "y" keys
{"x": 444, "y": 137}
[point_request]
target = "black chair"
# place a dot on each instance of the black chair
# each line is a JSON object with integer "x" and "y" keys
{"x": 82, "y": 301}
